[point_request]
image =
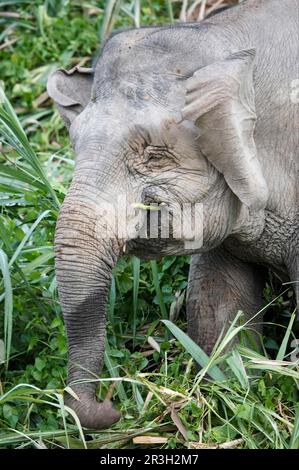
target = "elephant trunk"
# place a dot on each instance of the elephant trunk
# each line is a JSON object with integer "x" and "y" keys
{"x": 84, "y": 262}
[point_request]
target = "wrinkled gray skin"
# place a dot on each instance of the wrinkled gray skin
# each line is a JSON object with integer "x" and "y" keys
{"x": 190, "y": 113}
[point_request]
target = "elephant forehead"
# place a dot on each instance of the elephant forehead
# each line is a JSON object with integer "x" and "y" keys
{"x": 117, "y": 118}
{"x": 136, "y": 86}
{"x": 136, "y": 71}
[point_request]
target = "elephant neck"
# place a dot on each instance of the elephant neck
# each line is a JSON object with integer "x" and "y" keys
{"x": 249, "y": 225}
{"x": 263, "y": 238}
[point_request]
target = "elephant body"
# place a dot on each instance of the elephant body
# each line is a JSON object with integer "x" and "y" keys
{"x": 196, "y": 113}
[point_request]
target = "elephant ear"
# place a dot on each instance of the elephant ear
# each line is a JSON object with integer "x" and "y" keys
{"x": 220, "y": 101}
{"x": 71, "y": 91}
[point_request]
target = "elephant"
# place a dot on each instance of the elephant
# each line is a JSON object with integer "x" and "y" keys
{"x": 194, "y": 115}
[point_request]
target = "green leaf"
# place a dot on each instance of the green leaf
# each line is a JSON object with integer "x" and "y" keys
{"x": 40, "y": 364}
{"x": 10, "y": 413}
{"x": 244, "y": 411}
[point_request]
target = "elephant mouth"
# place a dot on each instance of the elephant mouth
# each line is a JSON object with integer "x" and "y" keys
{"x": 153, "y": 201}
{"x": 155, "y": 195}
{"x": 156, "y": 233}
{"x": 167, "y": 227}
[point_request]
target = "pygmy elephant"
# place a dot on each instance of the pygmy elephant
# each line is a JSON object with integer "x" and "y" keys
{"x": 198, "y": 116}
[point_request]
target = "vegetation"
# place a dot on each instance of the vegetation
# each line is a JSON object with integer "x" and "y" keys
{"x": 242, "y": 398}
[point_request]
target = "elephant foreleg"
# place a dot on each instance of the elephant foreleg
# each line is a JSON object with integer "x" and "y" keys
{"x": 293, "y": 267}
{"x": 219, "y": 286}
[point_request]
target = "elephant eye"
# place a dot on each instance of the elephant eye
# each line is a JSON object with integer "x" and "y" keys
{"x": 154, "y": 157}
{"x": 158, "y": 157}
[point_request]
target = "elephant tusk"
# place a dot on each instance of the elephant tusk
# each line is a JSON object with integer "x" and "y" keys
{"x": 139, "y": 205}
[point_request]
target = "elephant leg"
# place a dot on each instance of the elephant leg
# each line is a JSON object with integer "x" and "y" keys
{"x": 219, "y": 286}
{"x": 293, "y": 268}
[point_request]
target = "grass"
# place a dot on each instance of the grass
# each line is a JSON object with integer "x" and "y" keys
{"x": 238, "y": 398}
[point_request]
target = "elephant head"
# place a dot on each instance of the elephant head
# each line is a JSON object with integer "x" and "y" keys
{"x": 158, "y": 126}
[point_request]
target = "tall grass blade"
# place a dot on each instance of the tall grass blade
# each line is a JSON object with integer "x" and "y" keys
{"x": 237, "y": 367}
{"x": 196, "y": 352}
{"x": 112, "y": 300}
{"x": 13, "y": 2}
{"x": 12, "y": 131}
{"x": 219, "y": 348}
{"x": 110, "y": 13}
{"x": 27, "y": 236}
{"x": 283, "y": 347}
{"x": 286, "y": 370}
{"x": 159, "y": 295}
{"x": 5, "y": 239}
{"x": 38, "y": 262}
{"x": 2, "y": 352}
{"x": 137, "y": 13}
{"x": 62, "y": 408}
{"x": 136, "y": 276}
{"x": 8, "y": 305}
{"x": 113, "y": 371}
{"x": 138, "y": 397}
{"x": 78, "y": 424}
{"x": 20, "y": 174}
{"x": 170, "y": 10}
{"x": 294, "y": 443}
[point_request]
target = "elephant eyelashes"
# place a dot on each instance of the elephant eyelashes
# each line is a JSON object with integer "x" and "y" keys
{"x": 158, "y": 158}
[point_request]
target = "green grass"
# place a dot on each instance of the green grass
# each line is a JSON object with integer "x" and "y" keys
{"x": 242, "y": 398}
